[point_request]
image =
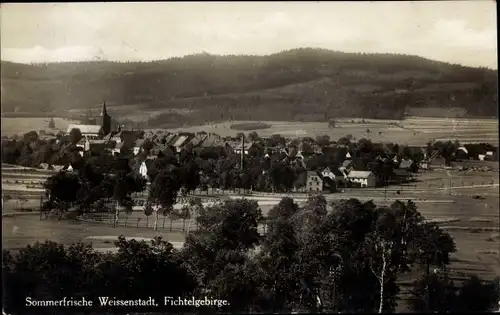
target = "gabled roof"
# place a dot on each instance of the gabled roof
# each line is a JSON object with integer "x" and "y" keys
{"x": 97, "y": 141}
{"x": 198, "y": 139}
{"x": 139, "y": 143}
{"x": 169, "y": 138}
{"x": 117, "y": 135}
{"x": 118, "y": 145}
{"x": 346, "y": 163}
{"x": 359, "y": 174}
{"x": 181, "y": 140}
{"x": 406, "y": 164}
{"x": 85, "y": 129}
{"x": 158, "y": 148}
{"x": 236, "y": 145}
{"x": 211, "y": 141}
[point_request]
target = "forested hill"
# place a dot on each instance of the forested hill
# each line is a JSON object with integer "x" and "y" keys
{"x": 296, "y": 84}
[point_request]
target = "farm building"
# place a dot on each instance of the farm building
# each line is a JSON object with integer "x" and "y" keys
{"x": 408, "y": 165}
{"x": 314, "y": 182}
{"x": 180, "y": 142}
{"x": 238, "y": 147}
{"x": 488, "y": 156}
{"x": 212, "y": 140}
{"x": 364, "y": 178}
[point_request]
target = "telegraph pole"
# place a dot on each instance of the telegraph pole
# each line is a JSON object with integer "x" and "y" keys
{"x": 242, "y": 151}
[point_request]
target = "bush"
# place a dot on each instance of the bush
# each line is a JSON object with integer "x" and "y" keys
{"x": 250, "y": 126}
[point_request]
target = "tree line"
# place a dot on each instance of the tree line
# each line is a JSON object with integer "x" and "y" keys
{"x": 344, "y": 257}
{"x": 291, "y": 83}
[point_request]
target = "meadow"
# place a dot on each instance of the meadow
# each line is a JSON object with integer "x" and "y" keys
{"x": 445, "y": 197}
{"x": 12, "y": 126}
{"x": 411, "y": 131}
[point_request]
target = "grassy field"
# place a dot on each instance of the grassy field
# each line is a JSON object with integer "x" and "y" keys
{"x": 412, "y": 131}
{"x": 449, "y": 198}
{"x": 12, "y": 126}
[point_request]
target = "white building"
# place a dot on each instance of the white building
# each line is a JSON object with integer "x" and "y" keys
{"x": 365, "y": 178}
{"x": 88, "y": 131}
{"x": 143, "y": 170}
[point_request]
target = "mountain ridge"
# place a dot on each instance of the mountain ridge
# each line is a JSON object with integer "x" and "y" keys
{"x": 311, "y": 81}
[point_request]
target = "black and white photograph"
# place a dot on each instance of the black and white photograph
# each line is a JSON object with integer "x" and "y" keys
{"x": 250, "y": 157}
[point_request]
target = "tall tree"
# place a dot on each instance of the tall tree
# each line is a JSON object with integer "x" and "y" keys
{"x": 75, "y": 135}
{"x": 163, "y": 191}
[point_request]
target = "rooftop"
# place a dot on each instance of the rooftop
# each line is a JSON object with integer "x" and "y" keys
{"x": 359, "y": 174}
{"x": 85, "y": 129}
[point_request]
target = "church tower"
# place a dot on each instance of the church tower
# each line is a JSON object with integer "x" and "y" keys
{"x": 105, "y": 120}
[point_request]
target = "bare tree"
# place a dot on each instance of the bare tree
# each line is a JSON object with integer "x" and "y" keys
{"x": 383, "y": 249}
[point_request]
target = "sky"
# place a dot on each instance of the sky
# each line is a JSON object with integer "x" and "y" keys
{"x": 463, "y": 32}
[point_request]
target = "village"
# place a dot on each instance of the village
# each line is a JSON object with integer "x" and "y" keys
{"x": 343, "y": 167}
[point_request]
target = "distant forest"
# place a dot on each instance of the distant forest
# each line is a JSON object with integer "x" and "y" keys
{"x": 298, "y": 85}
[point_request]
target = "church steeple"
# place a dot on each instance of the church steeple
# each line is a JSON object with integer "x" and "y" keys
{"x": 104, "y": 111}
{"x": 105, "y": 120}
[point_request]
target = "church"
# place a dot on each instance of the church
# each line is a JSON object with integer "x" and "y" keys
{"x": 93, "y": 132}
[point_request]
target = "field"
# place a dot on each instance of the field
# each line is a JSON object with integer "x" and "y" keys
{"x": 411, "y": 131}
{"x": 12, "y": 126}
{"x": 466, "y": 204}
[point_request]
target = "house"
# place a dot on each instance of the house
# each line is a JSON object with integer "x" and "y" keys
{"x": 314, "y": 182}
{"x": 143, "y": 170}
{"x": 317, "y": 150}
{"x": 346, "y": 167}
{"x": 117, "y": 137}
{"x": 198, "y": 139}
{"x": 328, "y": 173}
{"x": 437, "y": 161}
{"x": 97, "y": 146}
{"x": 423, "y": 165}
{"x": 117, "y": 148}
{"x": 180, "y": 142}
{"x": 211, "y": 140}
{"x": 138, "y": 146}
{"x": 489, "y": 156}
{"x": 462, "y": 153}
{"x": 408, "y": 165}
{"x": 84, "y": 145}
{"x": 169, "y": 139}
{"x": 237, "y": 147}
{"x": 364, "y": 178}
{"x": 88, "y": 131}
{"x": 161, "y": 148}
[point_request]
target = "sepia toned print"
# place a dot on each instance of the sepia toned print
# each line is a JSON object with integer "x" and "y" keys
{"x": 249, "y": 157}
